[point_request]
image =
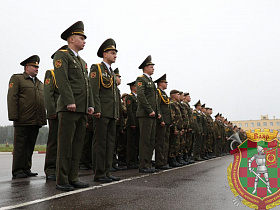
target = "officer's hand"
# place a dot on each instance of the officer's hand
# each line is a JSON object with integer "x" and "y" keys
{"x": 52, "y": 117}
{"x": 71, "y": 107}
{"x": 162, "y": 124}
{"x": 97, "y": 115}
{"x": 90, "y": 110}
{"x": 175, "y": 132}
{"x": 153, "y": 114}
{"x": 133, "y": 126}
{"x": 159, "y": 116}
{"x": 182, "y": 132}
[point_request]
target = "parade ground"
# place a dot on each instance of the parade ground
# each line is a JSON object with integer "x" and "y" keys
{"x": 199, "y": 186}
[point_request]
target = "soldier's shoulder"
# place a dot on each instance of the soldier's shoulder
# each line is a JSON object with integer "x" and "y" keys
{"x": 94, "y": 66}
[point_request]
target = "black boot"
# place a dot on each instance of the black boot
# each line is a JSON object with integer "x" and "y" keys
{"x": 186, "y": 159}
{"x": 174, "y": 163}
{"x": 180, "y": 160}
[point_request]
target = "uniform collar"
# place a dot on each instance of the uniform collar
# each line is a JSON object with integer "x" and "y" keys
{"x": 76, "y": 54}
{"x": 108, "y": 66}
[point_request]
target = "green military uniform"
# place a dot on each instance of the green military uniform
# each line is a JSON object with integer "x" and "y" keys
{"x": 121, "y": 150}
{"x": 86, "y": 158}
{"x": 132, "y": 128}
{"x": 217, "y": 136}
{"x": 51, "y": 94}
{"x": 198, "y": 130}
{"x": 27, "y": 111}
{"x": 104, "y": 88}
{"x": 209, "y": 140}
{"x": 72, "y": 80}
{"x": 176, "y": 127}
{"x": 204, "y": 134}
{"x": 162, "y": 132}
{"x": 147, "y": 103}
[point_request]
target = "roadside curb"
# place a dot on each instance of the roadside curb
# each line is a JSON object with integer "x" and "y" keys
{"x": 35, "y": 152}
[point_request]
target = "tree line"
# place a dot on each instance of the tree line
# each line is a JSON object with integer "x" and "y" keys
{"x": 7, "y": 135}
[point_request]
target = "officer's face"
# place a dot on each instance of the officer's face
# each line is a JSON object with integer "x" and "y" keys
{"x": 149, "y": 69}
{"x": 78, "y": 41}
{"x": 110, "y": 56}
{"x": 163, "y": 85}
{"x": 32, "y": 70}
{"x": 182, "y": 97}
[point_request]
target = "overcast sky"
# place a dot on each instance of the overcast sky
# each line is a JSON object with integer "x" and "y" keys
{"x": 224, "y": 52}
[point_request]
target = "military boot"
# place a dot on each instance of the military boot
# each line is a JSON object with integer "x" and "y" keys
{"x": 186, "y": 159}
{"x": 174, "y": 163}
{"x": 180, "y": 160}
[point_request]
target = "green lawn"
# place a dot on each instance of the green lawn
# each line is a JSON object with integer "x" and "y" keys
{"x": 3, "y": 148}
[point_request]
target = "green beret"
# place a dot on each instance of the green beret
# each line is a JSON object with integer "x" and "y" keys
{"x": 186, "y": 94}
{"x": 33, "y": 60}
{"x": 107, "y": 45}
{"x": 174, "y": 92}
{"x": 76, "y": 29}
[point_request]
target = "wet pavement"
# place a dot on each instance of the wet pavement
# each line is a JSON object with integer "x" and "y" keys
{"x": 199, "y": 186}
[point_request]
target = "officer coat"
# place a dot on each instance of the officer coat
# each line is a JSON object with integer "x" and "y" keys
{"x": 51, "y": 92}
{"x": 164, "y": 105}
{"x": 131, "y": 106}
{"x": 147, "y": 97}
{"x": 104, "y": 90}
{"x": 72, "y": 80}
{"x": 26, "y": 101}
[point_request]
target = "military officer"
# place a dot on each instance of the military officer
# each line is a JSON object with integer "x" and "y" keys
{"x": 73, "y": 104}
{"x": 204, "y": 133}
{"x": 51, "y": 94}
{"x": 176, "y": 129}
{"x": 147, "y": 112}
{"x": 27, "y": 111}
{"x": 163, "y": 126}
{"x": 217, "y": 136}
{"x": 104, "y": 88}
{"x": 210, "y": 139}
{"x": 132, "y": 128}
{"x": 197, "y": 119}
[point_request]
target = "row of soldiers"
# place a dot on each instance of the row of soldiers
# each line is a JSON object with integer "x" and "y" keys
{"x": 88, "y": 106}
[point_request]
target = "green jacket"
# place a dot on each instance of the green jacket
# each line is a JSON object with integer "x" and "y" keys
{"x": 189, "y": 117}
{"x": 104, "y": 91}
{"x": 164, "y": 105}
{"x": 131, "y": 106}
{"x": 51, "y": 92}
{"x": 217, "y": 129}
{"x": 204, "y": 123}
{"x": 197, "y": 121}
{"x": 176, "y": 116}
{"x": 147, "y": 97}
{"x": 72, "y": 81}
{"x": 26, "y": 101}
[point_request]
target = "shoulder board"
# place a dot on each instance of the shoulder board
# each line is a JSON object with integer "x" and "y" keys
{"x": 130, "y": 94}
{"x": 194, "y": 111}
{"x": 142, "y": 75}
{"x": 63, "y": 50}
{"x": 18, "y": 74}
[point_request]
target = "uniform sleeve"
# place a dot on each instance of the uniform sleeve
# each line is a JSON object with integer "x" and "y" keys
{"x": 130, "y": 114}
{"x": 174, "y": 120}
{"x": 12, "y": 98}
{"x": 158, "y": 107}
{"x": 90, "y": 99}
{"x": 49, "y": 88}
{"x": 60, "y": 63}
{"x": 142, "y": 100}
{"x": 94, "y": 82}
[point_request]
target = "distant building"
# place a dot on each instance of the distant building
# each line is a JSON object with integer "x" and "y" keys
{"x": 264, "y": 122}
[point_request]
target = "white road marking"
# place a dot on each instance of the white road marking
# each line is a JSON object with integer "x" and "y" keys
{"x": 96, "y": 187}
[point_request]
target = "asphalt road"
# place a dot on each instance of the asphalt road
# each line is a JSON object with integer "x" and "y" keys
{"x": 194, "y": 187}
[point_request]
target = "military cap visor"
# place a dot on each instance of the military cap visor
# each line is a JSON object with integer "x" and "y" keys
{"x": 76, "y": 29}
{"x": 107, "y": 45}
{"x": 197, "y": 103}
{"x": 33, "y": 60}
{"x": 131, "y": 83}
{"x": 146, "y": 62}
{"x": 161, "y": 79}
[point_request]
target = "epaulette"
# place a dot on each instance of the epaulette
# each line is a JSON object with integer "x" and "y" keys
{"x": 142, "y": 75}
{"x": 130, "y": 94}
{"x": 63, "y": 50}
{"x": 18, "y": 74}
{"x": 194, "y": 111}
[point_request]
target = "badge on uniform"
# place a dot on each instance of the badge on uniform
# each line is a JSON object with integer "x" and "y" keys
{"x": 58, "y": 63}
{"x": 139, "y": 84}
{"x": 11, "y": 85}
{"x": 92, "y": 74}
{"x": 128, "y": 102}
{"x": 47, "y": 81}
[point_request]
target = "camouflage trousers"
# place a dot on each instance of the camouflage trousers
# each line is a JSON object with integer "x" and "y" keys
{"x": 174, "y": 144}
